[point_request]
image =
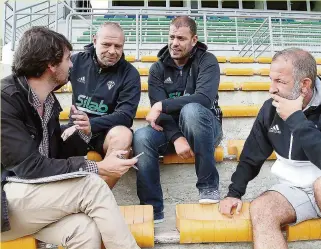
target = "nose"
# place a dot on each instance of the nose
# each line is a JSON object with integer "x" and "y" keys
{"x": 273, "y": 88}
{"x": 175, "y": 42}
{"x": 111, "y": 50}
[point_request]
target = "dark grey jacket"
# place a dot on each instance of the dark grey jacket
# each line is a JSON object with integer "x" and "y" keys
{"x": 196, "y": 82}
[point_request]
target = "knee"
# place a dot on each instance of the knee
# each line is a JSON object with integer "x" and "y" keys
{"x": 259, "y": 211}
{"x": 85, "y": 232}
{"x": 317, "y": 185}
{"x": 118, "y": 133}
{"x": 142, "y": 138}
{"x": 190, "y": 112}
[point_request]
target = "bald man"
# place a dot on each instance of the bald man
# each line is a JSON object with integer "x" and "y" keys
{"x": 107, "y": 88}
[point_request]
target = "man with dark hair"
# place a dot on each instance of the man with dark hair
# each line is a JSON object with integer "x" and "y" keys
{"x": 185, "y": 116}
{"x": 56, "y": 199}
{"x": 290, "y": 124}
{"x": 107, "y": 88}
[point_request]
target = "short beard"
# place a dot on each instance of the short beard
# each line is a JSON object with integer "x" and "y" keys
{"x": 296, "y": 92}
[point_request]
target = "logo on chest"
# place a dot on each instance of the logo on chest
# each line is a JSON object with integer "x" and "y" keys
{"x": 168, "y": 81}
{"x": 82, "y": 80}
{"x": 87, "y": 103}
{"x": 110, "y": 84}
{"x": 275, "y": 129}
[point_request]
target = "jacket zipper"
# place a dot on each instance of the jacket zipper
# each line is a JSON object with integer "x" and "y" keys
{"x": 290, "y": 150}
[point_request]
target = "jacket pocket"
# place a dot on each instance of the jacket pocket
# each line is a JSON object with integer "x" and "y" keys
{"x": 32, "y": 130}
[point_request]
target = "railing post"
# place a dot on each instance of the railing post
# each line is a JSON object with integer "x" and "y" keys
{"x": 253, "y": 51}
{"x": 4, "y": 25}
{"x": 48, "y": 12}
{"x": 137, "y": 36}
{"x": 30, "y": 18}
{"x": 141, "y": 28}
{"x": 91, "y": 28}
{"x": 14, "y": 25}
{"x": 281, "y": 29}
{"x": 237, "y": 32}
{"x": 205, "y": 29}
{"x": 271, "y": 36}
{"x": 56, "y": 16}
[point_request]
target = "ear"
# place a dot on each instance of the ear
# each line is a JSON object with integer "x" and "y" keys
{"x": 51, "y": 68}
{"x": 306, "y": 84}
{"x": 194, "y": 40}
{"x": 95, "y": 40}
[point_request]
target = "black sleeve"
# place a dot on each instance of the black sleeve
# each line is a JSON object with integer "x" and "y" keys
{"x": 156, "y": 92}
{"x": 126, "y": 107}
{"x": 206, "y": 87}
{"x": 308, "y": 135}
{"x": 256, "y": 150}
{"x": 20, "y": 152}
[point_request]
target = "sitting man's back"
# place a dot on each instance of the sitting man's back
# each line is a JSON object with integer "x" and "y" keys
{"x": 56, "y": 199}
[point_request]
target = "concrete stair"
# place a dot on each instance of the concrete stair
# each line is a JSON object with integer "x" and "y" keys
{"x": 244, "y": 84}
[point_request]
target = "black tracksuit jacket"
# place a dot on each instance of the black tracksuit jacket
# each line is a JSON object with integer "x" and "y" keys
{"x": 109, "y": 96}
{"x": 196, "y": 82}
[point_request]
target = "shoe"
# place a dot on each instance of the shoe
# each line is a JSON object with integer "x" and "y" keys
{"x": 159, "y": 221}
{"x": 209, "y": 196}
{"x": 158, "y": 218}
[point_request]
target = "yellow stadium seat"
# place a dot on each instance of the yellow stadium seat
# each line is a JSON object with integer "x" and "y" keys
{"x": 264, "y": 71}
{"x": 228, "y": 111}
{"x": 221, "y": 59}
{"x": 142, "y": 112}
{"x": 238, "y": 59}
{"x": 240, "y": 111}
{"x": 264, "y": 60}
{"x": 235, "y": 147}
{"x": 22, "y": 243}
{"x": 204, "y": 223}
{"x": 144, "y": 86}
{"x": 130, "y": 58}
{"x": 149, "y": 58}
{"x": 226, "y": 86}
{"x": 255, "y": 86}
{"x": 143, "y": 71}
{"x": 318, "y": 60}
{"x": 139, "y": 218}
{"x": 307, "y": 230}
{"x": 238, "y": 71}
{"x": 175, "y": 159}
{"x": 65, "y": 89}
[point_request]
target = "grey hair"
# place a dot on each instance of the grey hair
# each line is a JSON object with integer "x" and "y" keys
{"x": 304, "y": 64}
{"x": 115, "y": 25}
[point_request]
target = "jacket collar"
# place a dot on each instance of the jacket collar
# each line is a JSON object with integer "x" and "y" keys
{"x": 26, "y": 90}
{"x": 316, "y": 98}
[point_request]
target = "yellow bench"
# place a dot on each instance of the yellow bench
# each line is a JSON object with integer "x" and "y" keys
{"x": 228, "y": 112}
{"x": 235, "y": 147}
{"x": 223, "y": 86}
{"x": 139, "y": 218}
{"x": 204, "y": 223}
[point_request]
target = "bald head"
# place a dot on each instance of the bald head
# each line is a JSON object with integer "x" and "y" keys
{"x": 109, "y": 43}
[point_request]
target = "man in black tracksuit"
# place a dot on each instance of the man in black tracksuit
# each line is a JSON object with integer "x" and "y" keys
{"x": 107, "y": 88}
{"x": 289, "y": 124}
{"x": 185, "y": 116}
